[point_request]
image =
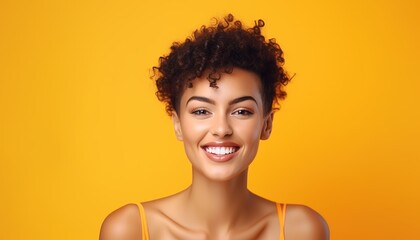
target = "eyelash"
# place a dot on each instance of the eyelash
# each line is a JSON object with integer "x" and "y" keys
{"x": 201, "y": 112}
{"x": 243, "y": 112}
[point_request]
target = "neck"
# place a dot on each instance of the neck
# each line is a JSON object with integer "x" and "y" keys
{"x": 218, "y": 204}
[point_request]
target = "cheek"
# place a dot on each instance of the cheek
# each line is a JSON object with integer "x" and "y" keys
{"x": 193, "y": 130}
{"x": 249, "y": 131}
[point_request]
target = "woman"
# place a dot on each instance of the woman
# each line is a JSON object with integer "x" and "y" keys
{"x": 219, "y": 87}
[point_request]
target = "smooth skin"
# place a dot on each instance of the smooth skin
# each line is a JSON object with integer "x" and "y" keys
{"x": 218, "y": 204}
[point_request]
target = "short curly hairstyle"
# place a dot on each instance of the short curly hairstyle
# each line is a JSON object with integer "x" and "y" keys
{"x": 216, "y": 50}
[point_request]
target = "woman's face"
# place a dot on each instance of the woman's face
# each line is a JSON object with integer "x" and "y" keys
{"x": 221, "y": 127}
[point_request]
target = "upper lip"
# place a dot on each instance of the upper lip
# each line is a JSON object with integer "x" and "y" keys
{"x": 220, "y": 144}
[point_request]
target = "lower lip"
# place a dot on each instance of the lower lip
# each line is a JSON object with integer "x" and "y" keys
{"x": 220, "y": 158}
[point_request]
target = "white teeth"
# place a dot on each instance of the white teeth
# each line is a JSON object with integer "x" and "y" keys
{"x": 220, "y": 150}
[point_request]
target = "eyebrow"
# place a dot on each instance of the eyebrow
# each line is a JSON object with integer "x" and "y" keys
{"x": 210, "y": 101}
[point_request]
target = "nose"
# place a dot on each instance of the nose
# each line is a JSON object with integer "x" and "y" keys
{"x": 221, "y": 126}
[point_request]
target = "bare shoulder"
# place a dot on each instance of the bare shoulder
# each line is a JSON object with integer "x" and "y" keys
{"x": 122, "y": 224}
{"x": 304, "y": 223}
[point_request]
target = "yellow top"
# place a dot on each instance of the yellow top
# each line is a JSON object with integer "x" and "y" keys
{"x": 145, "y": 230}
{"x": 281, "y": 212}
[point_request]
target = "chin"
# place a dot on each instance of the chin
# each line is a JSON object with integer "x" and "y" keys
{"x": 219, "y": 175}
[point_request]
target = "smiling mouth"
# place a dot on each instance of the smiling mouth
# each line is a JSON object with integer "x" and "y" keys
{"x": 221, "y": 150}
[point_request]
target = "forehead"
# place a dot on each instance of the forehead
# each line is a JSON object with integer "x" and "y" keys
{"x": 236, "y": 84}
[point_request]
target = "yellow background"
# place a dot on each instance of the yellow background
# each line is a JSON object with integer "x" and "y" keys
{"x": 81, "y": 132}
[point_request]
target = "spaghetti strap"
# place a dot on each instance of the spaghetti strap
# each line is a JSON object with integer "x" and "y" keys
{"x": 144, "y": 229}
{"x": 281, "y": 212}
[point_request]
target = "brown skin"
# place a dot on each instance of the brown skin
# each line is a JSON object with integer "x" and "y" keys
{"x": 218, "y": 204}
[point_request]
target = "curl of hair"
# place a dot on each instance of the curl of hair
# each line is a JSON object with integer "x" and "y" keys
{"x": 216, "y": 50}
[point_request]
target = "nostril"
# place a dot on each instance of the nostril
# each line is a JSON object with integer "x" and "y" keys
{"x": 222, "y": 131}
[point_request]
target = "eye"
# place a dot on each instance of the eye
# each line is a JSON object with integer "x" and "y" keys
{"x": 200, "y": 112}
{"x": 242, "y": 112}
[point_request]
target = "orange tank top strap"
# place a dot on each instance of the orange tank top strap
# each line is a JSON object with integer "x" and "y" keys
{"x": 281, "y": 211}
{"x": 144, "y": 229}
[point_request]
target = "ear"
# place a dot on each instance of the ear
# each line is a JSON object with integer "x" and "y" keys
{"x": 268, "y": 126}
{"x": 177, "y": 126}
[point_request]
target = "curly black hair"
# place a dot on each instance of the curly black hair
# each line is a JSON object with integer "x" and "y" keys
{"x": 218, "y": 49}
